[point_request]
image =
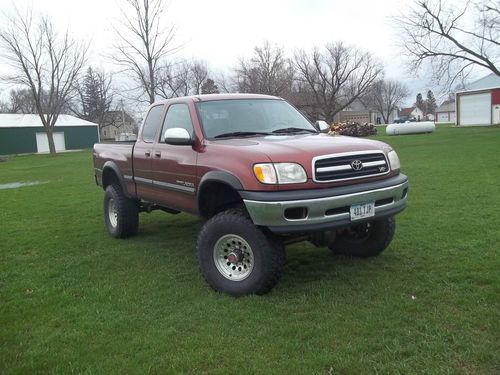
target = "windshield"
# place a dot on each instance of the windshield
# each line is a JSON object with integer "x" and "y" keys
{"x": 234, "y": 117}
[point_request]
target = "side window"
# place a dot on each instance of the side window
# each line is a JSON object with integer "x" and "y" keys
{"x": 177, "y": 117}
{"x": 151, "y": 124}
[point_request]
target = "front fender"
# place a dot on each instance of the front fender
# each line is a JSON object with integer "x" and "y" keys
{"x": 221, "y": 176}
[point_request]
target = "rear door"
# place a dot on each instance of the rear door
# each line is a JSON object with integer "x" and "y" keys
{"x": 174, "y": 166}
{"x": 143, "y": 151}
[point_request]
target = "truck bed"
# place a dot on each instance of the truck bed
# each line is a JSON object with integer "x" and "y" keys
{"x": 118, "y": 155}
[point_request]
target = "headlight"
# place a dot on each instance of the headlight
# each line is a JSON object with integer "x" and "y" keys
{"x": 282, "y": 173}
{"x": 290, "y": 173}
{"x": 394, "y": 160}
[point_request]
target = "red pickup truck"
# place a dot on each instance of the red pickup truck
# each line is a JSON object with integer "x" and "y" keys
{"x": 261, "y": 175}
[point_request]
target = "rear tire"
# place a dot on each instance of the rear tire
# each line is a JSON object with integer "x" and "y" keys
{"x": 121, "y": 213}
{"x": 366, "y": 239}
{"x": 237, "y": 257}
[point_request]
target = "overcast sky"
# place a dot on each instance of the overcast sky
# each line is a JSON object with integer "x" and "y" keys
{"x": 221, "y": 31}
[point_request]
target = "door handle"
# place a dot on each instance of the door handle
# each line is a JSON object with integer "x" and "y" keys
{"x": 157, "y": 154}
{"x": 147, "y": 153}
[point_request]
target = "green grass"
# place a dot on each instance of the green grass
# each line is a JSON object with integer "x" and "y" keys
{"x": 72, "y": 299}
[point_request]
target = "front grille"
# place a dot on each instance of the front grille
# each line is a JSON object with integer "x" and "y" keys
{"x": 348, "y": 166}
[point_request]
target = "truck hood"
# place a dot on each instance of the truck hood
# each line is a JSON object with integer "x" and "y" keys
{"x": 301, "y": 148}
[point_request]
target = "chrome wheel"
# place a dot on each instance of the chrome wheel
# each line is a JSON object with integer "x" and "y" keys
{"x": 112, "y": 213}
{"x": 233, "y": 257}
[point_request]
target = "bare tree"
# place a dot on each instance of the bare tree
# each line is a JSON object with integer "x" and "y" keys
{"x": 336, "y": 76}
{"x": 174, "y": 79}
{"x": 268, "y": 71}
{"x": 440, "y": 36}
{"x": 144, "y": 44}
{"x": 224, "y": 83}
{"x": 199, "y": 74}
{"x": 183, "y": 77}
{"x": 385, "y": 96}
{"x": 4, "y": 106}
{"x": 94, "y": 96}
{"x": 43, "y": 61}
{"x": 20, "y": 101}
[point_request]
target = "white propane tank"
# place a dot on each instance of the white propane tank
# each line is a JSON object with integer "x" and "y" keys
{"x": 410, "y": 128}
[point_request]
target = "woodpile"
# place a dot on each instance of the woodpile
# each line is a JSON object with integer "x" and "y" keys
{"x": 353, "y": 129}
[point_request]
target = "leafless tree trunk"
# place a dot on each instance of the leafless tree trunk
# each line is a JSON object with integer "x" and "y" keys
{"x": 385, "y": 96}
{"x": 441, "y": 36}
{"x": 267, "y": 72}
{"x": 144, "y": 44}
{"x": 43, "y": 61}
{"x": 336, "y": 76}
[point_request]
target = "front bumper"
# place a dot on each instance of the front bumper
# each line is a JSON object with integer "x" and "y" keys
{"x": 323, "y": 209}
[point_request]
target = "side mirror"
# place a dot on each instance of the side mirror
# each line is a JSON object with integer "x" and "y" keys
{"x": 322, "y": 126}
{"x": 178, "y": 136}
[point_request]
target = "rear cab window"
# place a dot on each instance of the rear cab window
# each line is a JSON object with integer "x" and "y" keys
{"x": 152, "y": 123}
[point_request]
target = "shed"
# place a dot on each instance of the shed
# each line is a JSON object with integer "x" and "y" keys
{"x": 445, "y": 113}
{"x": 480, "y": 104}
{"x": 21, "y": 134}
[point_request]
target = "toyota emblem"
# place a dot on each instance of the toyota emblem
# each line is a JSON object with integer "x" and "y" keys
{"x": 357, "y": 165}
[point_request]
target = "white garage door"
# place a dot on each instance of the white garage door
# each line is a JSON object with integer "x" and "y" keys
{"x": 475, "y": 109}
{"x": 442, "y": 117}
{"x": 42, "y": 143}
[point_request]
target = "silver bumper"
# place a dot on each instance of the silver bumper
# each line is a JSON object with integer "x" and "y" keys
{"x": 326, "y": 212}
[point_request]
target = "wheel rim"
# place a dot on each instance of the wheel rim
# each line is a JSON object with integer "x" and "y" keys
{"x": 112, "y": 213}
{"x": 233, "y": 257}
{"x": 360, "y": 232}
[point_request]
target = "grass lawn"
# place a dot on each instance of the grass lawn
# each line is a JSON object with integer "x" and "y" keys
{"x": 72, "y": 299}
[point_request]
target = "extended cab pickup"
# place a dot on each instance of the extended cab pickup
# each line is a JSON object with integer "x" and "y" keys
{"x": 261, "y": 175}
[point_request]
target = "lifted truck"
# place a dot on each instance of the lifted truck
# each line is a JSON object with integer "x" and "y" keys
{"x": 261, "y": 175}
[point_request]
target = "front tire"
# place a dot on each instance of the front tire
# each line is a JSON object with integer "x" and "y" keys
{"x": 237, "y": 257}
{"x": 365, "y": 239}
{"x": 121, "y": 213}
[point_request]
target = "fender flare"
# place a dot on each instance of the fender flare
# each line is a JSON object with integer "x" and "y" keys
{"x": 221, "y": 176}
{"x": 111, "y": 165}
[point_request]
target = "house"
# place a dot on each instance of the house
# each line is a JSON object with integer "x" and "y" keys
{"x": 411, "y": 112}
{"x": 117, "y": 125}
{"x": 358, "y": 111}
{"x": 445, "y": 113}
{"x": 21, "y": 134}
{"x": 480, "y": 103}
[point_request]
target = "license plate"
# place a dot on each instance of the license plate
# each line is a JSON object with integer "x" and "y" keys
{"x": 362, "y": 210}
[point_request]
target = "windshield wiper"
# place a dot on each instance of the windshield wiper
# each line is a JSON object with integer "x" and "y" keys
{"x": 294, "y": 130}
{"x": 236, "y": 134}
